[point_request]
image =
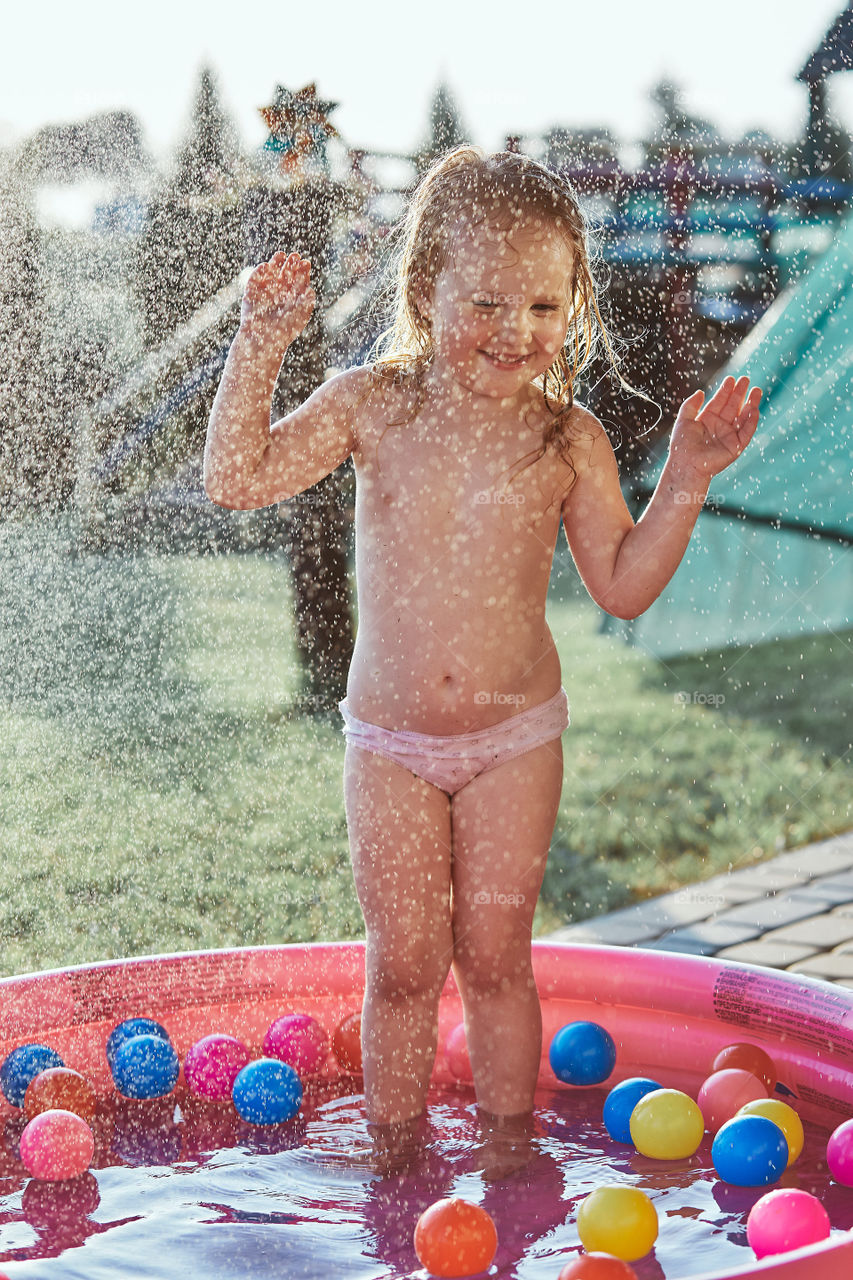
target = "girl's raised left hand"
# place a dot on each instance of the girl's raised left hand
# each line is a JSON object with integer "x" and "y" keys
{"x": 706, "y": 439}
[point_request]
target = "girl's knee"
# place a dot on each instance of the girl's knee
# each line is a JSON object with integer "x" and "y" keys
{"x": 490, "y": 964}
{"x": 406, "y": 968}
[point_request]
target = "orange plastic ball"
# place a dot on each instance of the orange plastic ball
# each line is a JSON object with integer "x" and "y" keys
{"x": 748, "y": 1057}
{"x": 346, "y": 1044}
{"x": 455, "y": 1238}
{"x": 724, "y": 1093}
{"x": 60, "y": 1088}
{"x": 597, "y": 1266}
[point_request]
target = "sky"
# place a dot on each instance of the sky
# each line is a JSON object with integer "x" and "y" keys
{"x": 511, "y": 67}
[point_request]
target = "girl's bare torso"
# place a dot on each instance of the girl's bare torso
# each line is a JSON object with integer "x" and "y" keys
{"x": 452, "y": 565}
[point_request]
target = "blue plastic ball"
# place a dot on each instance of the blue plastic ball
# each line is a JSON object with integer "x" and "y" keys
{"x": 145, "y": 1067}
{"x": 128, "y": 1029}
{"x": 582, "y": 1053}
{"x": 620, "y": 1102}
{"x": 267, "y": 1091}
{"x": 23, "y": 1065}
{"x": 750, "y": 1151}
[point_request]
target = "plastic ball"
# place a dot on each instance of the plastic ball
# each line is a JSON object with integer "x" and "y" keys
{"x": 597, "y": 1266}
{"x": 456, "y": 1054}
{"x": 267, "y": 1091}
{"x": 145, "y": 1067}
{"x": 60, "y": 1089}
{"x": 839, "y": 1153}
{"x": 749, "y": 1151}
{"x": 582, "y": 1053}
{"x": 618, "y": 1220}
{"x": 21, "y": 1066}
{"x": 621, "y": 1101}
{"x": 748, "y": 1057}
{"x": 782, "y": 1115}
{"x": 56, "y": 1145}
{"x": 298, "y": 1040}
{"x": 455, "y": 1238}
{"x": 346, "y": 1044}
{"x": 212, "y": 1065}
{"x": 128, "y": 1029}
{"x": 666, "y": 1125}
{"x": 724, "y": 1093}
{"x": 786, "y": 1219}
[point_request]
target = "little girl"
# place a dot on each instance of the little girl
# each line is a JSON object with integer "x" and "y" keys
{"x": 454, "y": 708}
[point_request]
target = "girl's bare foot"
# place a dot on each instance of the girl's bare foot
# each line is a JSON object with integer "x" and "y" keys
{"x": 507, "y": 1143}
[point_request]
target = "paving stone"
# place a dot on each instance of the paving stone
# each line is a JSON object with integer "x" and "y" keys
{"x": 821, "y": 932}
{"x": 827, "y": 889}
{"x": 611, "y": 930}
{"x": 768, "y": 878}
{"x": 771, "y": 953}
{"x": 822, "y": 858}
{"x": 682, "y": 945}
{"x": 777, "y": 910}
{"x": 844, "y": 909}
{"x": 716, "y": 933}
{"x": 826, "y": 964}
{"x": 731, "y": 889}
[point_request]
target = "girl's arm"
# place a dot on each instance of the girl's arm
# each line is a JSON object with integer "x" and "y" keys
{"x": 248, "y": 463}
{"x": 625, "y": 566}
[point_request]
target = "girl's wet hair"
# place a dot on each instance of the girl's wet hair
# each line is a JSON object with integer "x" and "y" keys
{"x": 462, "y": 189}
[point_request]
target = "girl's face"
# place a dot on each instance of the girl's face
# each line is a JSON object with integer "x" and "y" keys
{"x": 500, "y": 309}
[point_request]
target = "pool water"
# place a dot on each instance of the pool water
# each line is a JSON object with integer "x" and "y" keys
{"x": 181, "y": 1187}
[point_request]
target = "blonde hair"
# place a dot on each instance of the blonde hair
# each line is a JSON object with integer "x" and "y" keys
{"x": 469, "y": 187}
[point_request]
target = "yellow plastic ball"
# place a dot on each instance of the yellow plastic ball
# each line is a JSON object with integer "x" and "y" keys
{"x": 618, "y": 1220}
{"x": 783, "y": 1116}
{"x": 666, "y": 1125}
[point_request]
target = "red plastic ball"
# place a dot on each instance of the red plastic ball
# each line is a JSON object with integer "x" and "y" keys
{"x": 346, "y": 1044}
{"x": 57, "y": 1145}
{"x": 748, "y": 1057}
{"x": 455, "y": 1238}
{"x": 597, "y": 1266}
{"x": 60, "y": 1088}
{"x": 724, "y": 1093}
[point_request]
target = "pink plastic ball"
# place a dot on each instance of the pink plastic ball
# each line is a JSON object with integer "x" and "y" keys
{"x": 298, "y": 1040}
{"x": 456, "y": 1054}
{"x": 725, "y": 1092}
{"x": 213, "y": 1064}
{"x": 786, "y": 1219}
{"x": 56, "y": 1145}
{"x": 839, "y": 1154}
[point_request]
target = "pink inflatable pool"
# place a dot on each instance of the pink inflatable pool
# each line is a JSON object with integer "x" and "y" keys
{"x": 668, "y": 1014}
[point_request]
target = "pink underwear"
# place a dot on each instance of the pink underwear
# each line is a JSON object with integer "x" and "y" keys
{"x": 450, "y": 762}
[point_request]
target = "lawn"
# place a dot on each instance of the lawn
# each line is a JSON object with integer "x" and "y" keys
{"x": 157, "y": 794}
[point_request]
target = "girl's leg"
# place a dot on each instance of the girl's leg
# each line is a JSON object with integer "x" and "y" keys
{"x": 399, "y": 834}
{"x": 502, "y": 826}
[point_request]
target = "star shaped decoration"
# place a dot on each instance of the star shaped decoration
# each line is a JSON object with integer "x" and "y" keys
{"x": 301, "y": 112}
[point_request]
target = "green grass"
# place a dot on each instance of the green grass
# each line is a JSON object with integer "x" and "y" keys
{"x": 156, "y": 794}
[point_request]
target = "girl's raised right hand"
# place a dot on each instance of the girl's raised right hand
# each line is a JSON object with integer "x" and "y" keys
{"x": 278, "y": 300}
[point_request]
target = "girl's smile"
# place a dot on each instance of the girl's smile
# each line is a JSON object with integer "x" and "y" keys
{"x": 499, "y": 310}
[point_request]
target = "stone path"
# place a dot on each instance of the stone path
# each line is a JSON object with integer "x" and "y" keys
{"x": 793, "y": 912}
